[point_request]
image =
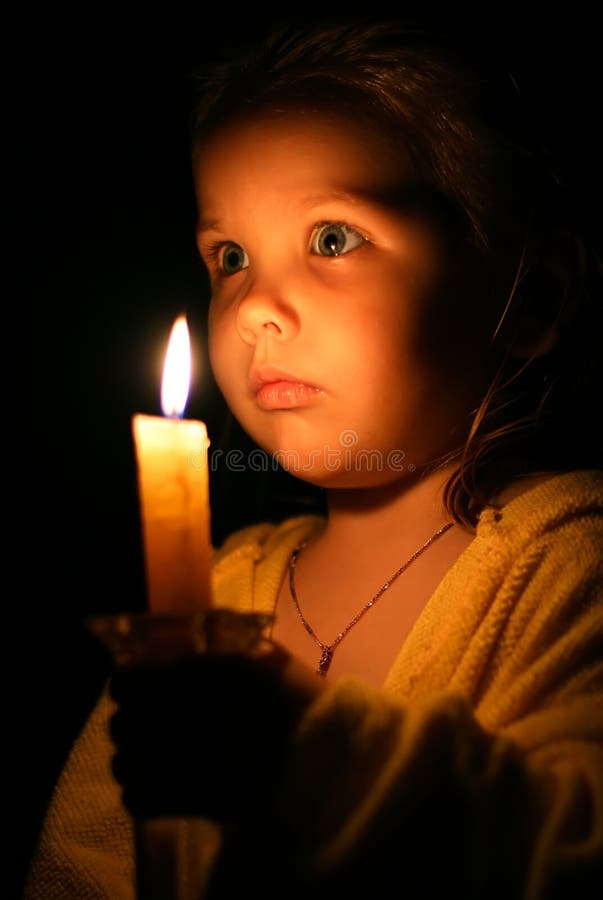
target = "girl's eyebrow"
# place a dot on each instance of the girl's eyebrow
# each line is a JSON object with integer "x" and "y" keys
{"x": 413, "y": 198}
{"x": 329, "y": 197}
{"x": 306, "y": 202}
{"x": 310, "y": 202}
{"x": 208, "y": 225}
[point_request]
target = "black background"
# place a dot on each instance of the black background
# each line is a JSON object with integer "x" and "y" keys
{"x": 104, "y": 219}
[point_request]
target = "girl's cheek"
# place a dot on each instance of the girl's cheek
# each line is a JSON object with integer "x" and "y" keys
{"x": 221, "y": 308}
{"x": 220, "y": 359}
{"x": 218, "y": 329}
{"x": 218, "y": 332}
{"x": 226, "y": 293}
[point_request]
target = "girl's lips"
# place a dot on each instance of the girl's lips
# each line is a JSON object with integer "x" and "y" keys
{"x": 287, "y": 395}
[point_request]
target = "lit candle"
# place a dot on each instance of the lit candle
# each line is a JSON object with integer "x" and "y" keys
{"x": 173, "y": 485}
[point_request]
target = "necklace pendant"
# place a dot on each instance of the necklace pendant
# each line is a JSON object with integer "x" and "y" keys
{"x": 327, "y": 652}
{"x": 325, "y": 661}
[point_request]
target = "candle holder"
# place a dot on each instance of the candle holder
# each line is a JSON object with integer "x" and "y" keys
{"x": 134, "y": 638}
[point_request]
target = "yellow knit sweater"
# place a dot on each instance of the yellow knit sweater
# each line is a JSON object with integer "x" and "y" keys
{"x": 477, "y": 771}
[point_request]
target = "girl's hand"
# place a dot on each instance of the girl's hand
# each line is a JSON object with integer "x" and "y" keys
{"x": 205, "y": 734}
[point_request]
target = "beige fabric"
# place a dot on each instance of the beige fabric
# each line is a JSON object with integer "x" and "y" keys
{"x": 479, "y": 765}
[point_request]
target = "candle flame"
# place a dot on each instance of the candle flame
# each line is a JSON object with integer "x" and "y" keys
{"x": 176, "y": 370}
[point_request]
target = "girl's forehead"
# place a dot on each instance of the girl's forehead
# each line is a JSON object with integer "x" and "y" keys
{"x": 299, "y": 149}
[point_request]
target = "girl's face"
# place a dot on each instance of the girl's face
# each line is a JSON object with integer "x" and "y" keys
{"x": 339, "y": 315}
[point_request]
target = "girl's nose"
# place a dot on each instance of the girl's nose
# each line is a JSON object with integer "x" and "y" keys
{"x": 264, "y": 311}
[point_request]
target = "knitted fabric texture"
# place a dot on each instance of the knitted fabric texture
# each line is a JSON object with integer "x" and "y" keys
{"x": 478, "y": 768}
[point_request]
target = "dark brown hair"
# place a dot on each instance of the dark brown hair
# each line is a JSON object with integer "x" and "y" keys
{"x": 462, "y": 116}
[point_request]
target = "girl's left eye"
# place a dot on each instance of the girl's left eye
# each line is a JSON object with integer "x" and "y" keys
{"x": 334, "y": 239}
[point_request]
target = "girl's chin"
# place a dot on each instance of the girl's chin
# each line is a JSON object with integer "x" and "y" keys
{"x": 338, "y": 464}
{"x": 344, "y": 478}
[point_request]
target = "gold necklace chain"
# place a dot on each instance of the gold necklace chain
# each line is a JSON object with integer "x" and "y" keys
{"x": 328, "y": 649}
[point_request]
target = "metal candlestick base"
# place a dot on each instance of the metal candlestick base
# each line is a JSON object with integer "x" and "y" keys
{"x": 148, "y": 637}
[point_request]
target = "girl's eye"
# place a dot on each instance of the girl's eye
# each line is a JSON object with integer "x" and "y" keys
{"x": 232, "y": 258}
{"x": 333, "y": 239}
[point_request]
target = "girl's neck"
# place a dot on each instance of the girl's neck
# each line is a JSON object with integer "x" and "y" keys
{"x": 410, "y": 509}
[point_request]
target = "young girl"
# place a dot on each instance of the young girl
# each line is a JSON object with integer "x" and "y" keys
{"x": 406, "y": 315}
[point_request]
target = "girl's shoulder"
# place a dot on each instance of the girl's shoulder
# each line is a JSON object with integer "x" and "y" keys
{"x": 260, "y": 539}
{"x": 558, "y": 485}
{"x": 248, "y": 567}
{"x": 543, "y": 504}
